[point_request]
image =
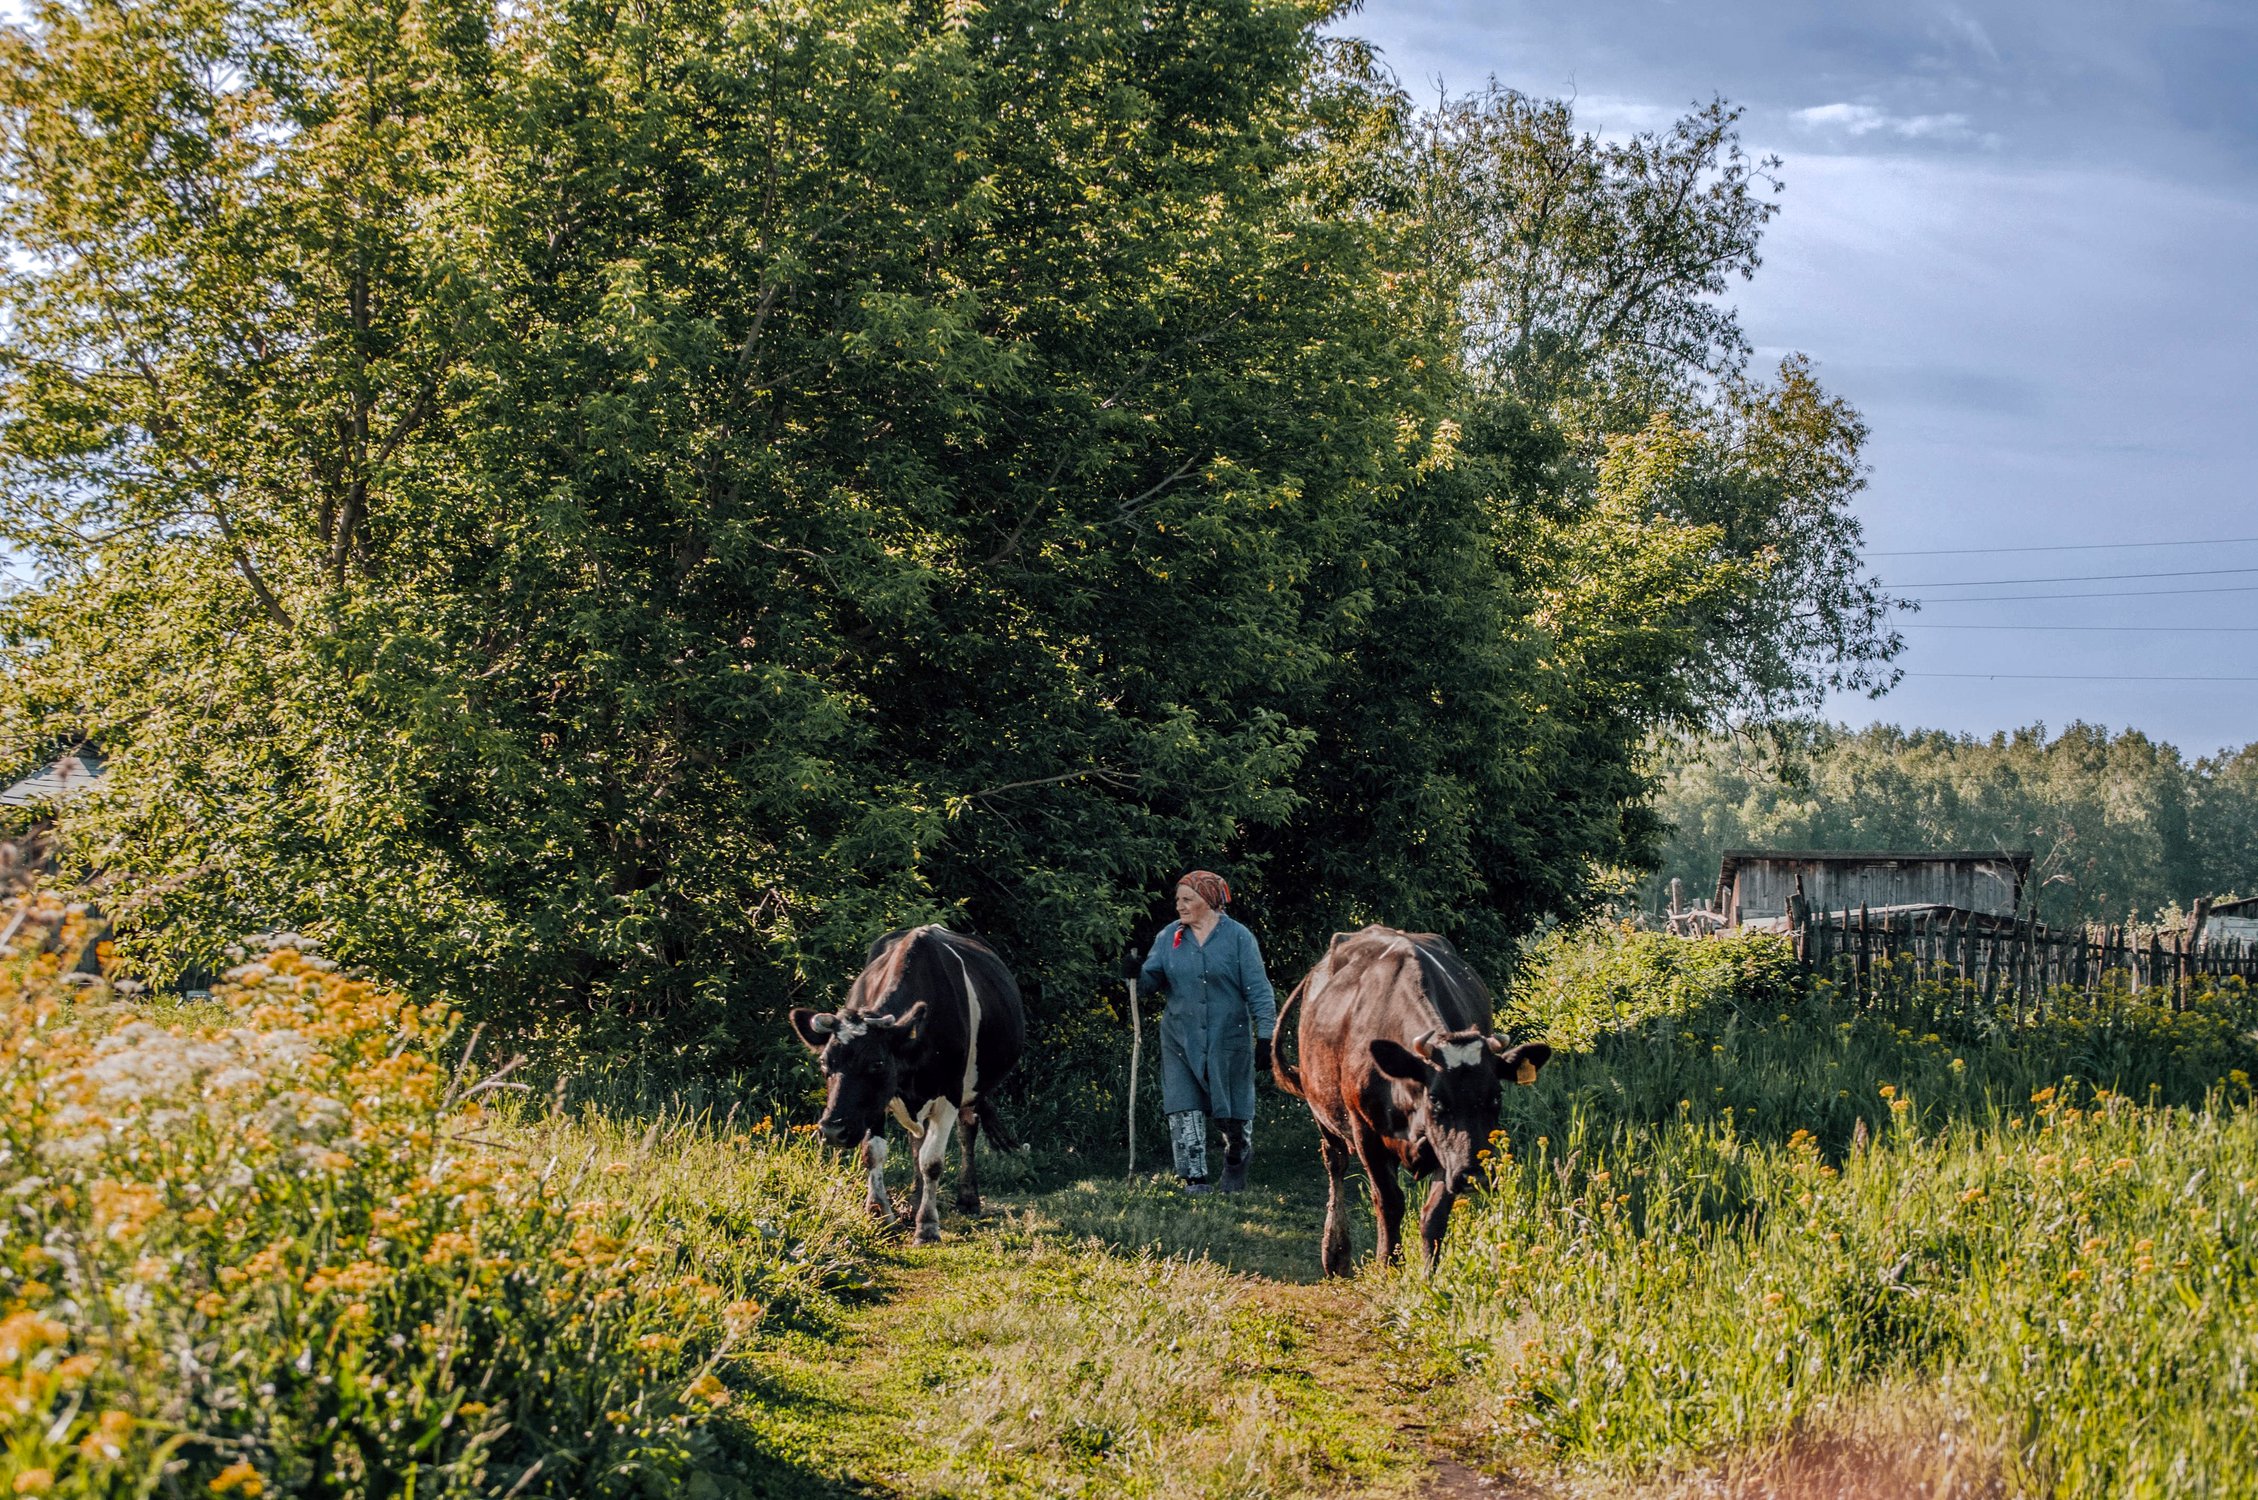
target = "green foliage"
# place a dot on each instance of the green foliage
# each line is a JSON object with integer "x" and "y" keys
{"x": 280, "y": 1247}
{"x": 1591, "y": 276}
{"x": 1576, "y": 984}
{"x": 716, "y": 487}
{"x": 1721, "y": 1230}
{"x": 592, "y": 516}
{"x": 2121, "y": 824}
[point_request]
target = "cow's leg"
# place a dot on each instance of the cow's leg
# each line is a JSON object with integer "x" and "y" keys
{"x": 1434, "y": 1219}
{"x": 1336, "y": 1242}
{"x": 968, "y": 1186}
{"x": 874, "y": 1159}
{"x": 939, "y": 1118}
{"x": 1387, "y": 1194}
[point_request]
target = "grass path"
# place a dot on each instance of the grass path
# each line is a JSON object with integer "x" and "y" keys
{"x": 1099, "y": 1336}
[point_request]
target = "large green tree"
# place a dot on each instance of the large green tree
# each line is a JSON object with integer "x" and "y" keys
{"x": 1627, "y": 534}
{"x": 593, "y": 512}
{"x": 608, "y": 509}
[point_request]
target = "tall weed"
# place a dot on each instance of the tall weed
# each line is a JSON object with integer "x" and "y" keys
{"x": 278, "y": 1246}
{"x": 1724, "y": 1227}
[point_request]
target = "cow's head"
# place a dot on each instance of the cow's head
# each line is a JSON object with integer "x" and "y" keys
{"x": 861, "y": 1056}
{"x": 1454, "y": 1078}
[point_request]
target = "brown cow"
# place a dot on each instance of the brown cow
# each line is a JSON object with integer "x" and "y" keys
{"x": 1400, "y": 1067}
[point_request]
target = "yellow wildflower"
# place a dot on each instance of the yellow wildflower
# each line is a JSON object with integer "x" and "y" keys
{"x": 106, "y": 1439}
{"x": 709, "y": 1389}
{"x": 26, "y": 1333}
{"x": 35, "y": 1481}
{"x": 239, "y": 1478}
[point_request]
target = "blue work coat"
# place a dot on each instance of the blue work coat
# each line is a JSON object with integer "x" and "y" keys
{"x": 1219, "y": 1001}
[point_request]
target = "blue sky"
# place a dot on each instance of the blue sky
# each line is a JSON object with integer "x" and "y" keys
{"x": 2022, "y": 238}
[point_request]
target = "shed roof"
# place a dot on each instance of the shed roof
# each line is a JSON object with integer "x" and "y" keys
{"x": 61, "y": 777}
{"x": 2021, "y": 858}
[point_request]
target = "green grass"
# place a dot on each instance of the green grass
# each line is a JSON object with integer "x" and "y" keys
{"x": 1742, "y": 1238}
{"x": 1724, "y": 1236}
{"x": 1100, "y": 1335}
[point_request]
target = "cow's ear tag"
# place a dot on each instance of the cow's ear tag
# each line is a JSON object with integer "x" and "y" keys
{"x": 1526, "y": 1073}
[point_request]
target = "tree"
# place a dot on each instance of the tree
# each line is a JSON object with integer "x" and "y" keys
{"x": 1622, "y": 534}
{"x": 2120, "y": 825}
{"x": 594, "y": 515}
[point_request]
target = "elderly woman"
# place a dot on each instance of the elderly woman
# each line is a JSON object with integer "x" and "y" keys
{"x": 1215, "y": 1032}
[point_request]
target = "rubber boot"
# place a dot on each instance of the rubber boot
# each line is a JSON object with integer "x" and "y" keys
{"x": 1237, "y": 1144}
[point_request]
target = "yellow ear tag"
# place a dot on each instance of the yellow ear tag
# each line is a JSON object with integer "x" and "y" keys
{"x": 1526, "y": 1073}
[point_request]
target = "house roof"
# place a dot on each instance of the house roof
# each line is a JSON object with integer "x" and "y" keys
{"x": 64, "y": 776}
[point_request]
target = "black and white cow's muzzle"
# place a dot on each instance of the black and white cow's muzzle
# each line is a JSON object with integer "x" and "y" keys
{"x": 855, "y": 1110}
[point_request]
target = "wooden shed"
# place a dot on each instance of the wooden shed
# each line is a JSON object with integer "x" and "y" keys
{"x": 1755, "y": 884}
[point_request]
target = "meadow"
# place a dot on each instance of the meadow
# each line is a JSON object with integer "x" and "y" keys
{"x": 1744, "y": 1237}
{"x": 1749, "y": 1228}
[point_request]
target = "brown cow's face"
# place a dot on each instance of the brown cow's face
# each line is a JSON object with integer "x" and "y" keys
{"x": 861, "y": 1055}
{"x": 1455, "y": 1079}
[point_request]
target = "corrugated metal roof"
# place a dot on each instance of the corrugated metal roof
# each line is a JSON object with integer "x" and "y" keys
{"x": 62, "y": 777}
{"x": 1867, "y": 856}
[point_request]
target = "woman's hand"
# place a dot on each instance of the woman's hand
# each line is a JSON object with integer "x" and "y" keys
{"x": 1261, "y": 1055}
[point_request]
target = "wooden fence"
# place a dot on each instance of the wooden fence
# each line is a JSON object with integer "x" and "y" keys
{"x": 2007, "y": 967}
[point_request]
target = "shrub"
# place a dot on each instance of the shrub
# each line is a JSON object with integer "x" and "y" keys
{"x": 274, "y": 1245}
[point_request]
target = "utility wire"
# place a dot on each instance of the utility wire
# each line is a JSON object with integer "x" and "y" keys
{"x": 1985, "y": 583}
{"x": 2218, "y": 541}
{"x": 2145, "y": 629}
{"x": 2076, "y": 677}
{"x": 2230, "y": 588}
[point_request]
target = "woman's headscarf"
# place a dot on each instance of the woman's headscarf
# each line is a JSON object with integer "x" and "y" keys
{"x": 1212, "y": 888}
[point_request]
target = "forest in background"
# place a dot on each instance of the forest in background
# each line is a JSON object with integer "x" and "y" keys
{"x": 2121, "y": 826}
{"x": 592, "y": 516}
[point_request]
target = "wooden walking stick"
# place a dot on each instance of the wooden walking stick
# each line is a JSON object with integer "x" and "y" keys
{"x": 1131, "y": 967}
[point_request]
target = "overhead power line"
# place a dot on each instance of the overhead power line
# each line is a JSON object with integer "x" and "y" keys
{"x": 2145, "y": 629}
{"x": 1985, "y": 583}
{"x": 2216, "y": 541}
{"x": 2224, "y": 588}
{"x": 2077, "y": 677}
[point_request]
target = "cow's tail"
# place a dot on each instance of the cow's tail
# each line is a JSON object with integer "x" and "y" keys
{"x": 1282, "y": 1072}
{"x": 999, "y": 1134}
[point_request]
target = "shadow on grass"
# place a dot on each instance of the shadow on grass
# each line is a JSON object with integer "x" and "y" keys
{"x": 775, "y": 1451}
{"x": 1269, "y": 1230}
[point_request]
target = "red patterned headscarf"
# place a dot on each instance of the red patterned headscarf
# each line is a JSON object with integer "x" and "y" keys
{"x": 1212, "y": 888}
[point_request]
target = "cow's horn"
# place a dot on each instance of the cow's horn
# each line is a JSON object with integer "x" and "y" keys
{"x": 1427, "y": 1044}
{"x": 824, "y": 1022}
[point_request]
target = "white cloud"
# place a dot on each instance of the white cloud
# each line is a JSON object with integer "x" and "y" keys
{"x": 1865, "y": 119}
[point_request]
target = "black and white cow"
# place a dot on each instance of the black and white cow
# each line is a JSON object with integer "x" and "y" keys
{"x": 929, "y": 1027}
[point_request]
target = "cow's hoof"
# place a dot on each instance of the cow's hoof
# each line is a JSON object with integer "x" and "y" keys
{"x": 927, "y": 1237}
{"x": 970, "y": 1207}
